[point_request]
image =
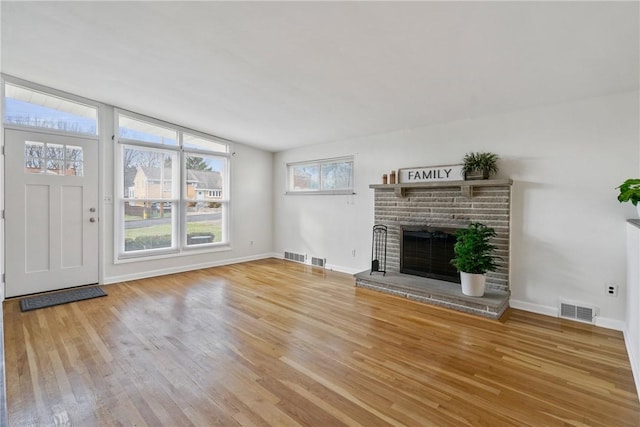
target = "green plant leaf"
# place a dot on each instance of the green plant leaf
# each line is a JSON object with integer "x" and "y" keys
{"x": 485, "y": 162}
{"x": 474, "y": 251}
{"x": 629, "y": 191}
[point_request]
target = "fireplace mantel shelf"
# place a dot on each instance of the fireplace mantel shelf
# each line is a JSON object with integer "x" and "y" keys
{"x": 466, "y": 186}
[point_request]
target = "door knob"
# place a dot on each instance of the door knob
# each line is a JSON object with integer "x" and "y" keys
{"x": 92, "y": 219}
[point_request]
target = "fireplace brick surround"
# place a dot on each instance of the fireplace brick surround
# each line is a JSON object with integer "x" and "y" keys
{"x": 452, "y": 204}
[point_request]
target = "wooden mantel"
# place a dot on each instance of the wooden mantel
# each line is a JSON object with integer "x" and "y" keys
{"x": 465, "y": 186}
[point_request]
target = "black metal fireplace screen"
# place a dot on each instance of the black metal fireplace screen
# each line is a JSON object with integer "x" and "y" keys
{"x": 427, "y": 251}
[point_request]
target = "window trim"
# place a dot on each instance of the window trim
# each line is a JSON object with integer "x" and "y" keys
{"x": 319, "y": 162}
{"x": 226, "y": 201}
{"x": 119, "y": 223}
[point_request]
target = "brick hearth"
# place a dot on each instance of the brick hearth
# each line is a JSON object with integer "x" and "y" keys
{"x": 451, "y": 205}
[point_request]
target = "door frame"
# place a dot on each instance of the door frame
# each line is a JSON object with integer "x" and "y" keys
{"x": 103, "y": 124}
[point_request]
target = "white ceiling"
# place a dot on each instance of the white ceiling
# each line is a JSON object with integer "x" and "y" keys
{"x": 282, "y": 75}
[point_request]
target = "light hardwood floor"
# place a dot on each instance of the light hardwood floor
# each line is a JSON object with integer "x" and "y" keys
{"x": 274, "y": 343}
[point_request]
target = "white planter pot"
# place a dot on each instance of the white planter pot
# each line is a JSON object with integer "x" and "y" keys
{"x": 473, "y": 284}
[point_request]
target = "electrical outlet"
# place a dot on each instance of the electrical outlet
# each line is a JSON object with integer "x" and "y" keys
{"x": 611, "y": 290}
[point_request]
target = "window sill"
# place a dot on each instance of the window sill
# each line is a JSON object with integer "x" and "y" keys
{"x": 164, "y": 255}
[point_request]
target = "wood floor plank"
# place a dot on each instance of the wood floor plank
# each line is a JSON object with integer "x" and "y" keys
{"x": 275, "y": 343}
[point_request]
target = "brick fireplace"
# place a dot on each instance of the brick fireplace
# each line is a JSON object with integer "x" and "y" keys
{"x": 443, "y": 205}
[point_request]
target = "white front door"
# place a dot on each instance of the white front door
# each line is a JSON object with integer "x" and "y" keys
{"x": 51, "y": 212}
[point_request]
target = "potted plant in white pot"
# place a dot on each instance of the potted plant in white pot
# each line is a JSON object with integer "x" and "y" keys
{"x": 474, "y": 255}
{"x": 479, "y": 165}
{"x": 630, "y": 192}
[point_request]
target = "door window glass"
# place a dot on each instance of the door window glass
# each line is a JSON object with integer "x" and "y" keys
{"x": 53, "y": 159}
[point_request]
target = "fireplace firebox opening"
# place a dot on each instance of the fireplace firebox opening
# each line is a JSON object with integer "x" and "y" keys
{"x": 427, "y": 251}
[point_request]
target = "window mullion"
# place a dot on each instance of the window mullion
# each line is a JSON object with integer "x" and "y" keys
{"x": 182, "y": 223}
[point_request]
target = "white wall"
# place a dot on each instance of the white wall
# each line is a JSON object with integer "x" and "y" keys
{"x": 251, "y": 217}
{"x": 632, "y": 330}
{"x": 568, "y": 231}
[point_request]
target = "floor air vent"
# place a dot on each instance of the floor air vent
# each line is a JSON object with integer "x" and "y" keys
{"x": 318, "y": 261}
{"x": 578, "y": 312}
{"x": 294, "y": 256}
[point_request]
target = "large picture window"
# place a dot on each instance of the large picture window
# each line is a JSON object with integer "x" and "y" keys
{"x": 174, "y": 188}
{"x": 327, "y": 176}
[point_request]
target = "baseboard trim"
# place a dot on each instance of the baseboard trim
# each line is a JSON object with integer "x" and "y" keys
{"x": 534, "y": 308}
{"x": 341, "y": 269}
{"x": 608, "y": 323}
{"x": 332, "y": 267}
{"x": 273, "y": 255}
{"x": 184, "y": 268}
{"x": 634, "y": 360}
{"x": 603, "y": 322}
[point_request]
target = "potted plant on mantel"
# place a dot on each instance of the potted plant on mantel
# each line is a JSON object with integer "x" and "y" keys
{"x": 474, "y": 256}
{"x": 479, "y": 165}
{"x": 630, "y": 192}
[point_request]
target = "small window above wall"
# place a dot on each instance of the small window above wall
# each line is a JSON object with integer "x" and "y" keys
{"x": 325, "y": 176}
{"x": 134, "y": 129}
{"x": 191, "y": 142}
{"x": 32, "y": 108}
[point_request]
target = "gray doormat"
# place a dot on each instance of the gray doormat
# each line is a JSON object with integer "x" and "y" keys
{"x": 63, "y": 297}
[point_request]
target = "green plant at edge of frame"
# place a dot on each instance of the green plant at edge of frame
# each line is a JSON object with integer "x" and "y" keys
{"x": 629, "y": 191}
